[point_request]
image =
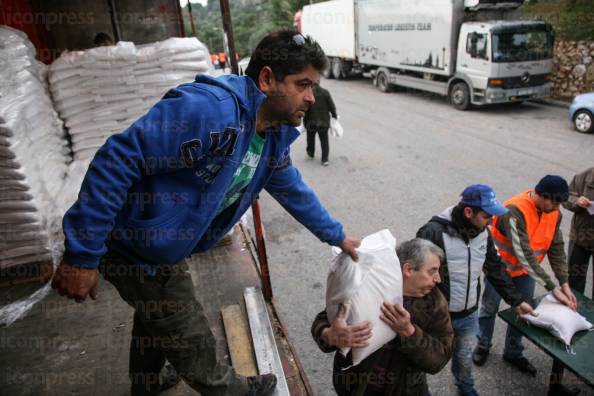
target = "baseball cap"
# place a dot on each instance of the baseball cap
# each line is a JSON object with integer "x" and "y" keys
{"x": 483, "y": 196}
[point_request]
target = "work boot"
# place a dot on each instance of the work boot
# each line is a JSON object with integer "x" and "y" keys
{"x": 261, "y": 385}
{"x": 522, "y": 364}
{"x": 479, "y": 356}
{"x": 563, "y": 390}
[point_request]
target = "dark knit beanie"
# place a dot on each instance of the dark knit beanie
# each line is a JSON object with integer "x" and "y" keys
{"x": 553, "y": 187}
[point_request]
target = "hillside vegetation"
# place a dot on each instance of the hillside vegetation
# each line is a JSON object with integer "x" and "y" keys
{"x": 252, "y": 19}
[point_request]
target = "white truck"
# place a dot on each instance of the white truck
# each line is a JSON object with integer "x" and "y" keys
{"x": 475, "y": 52}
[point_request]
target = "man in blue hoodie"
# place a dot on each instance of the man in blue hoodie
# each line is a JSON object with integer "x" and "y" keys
{"x": 173, "y": 184}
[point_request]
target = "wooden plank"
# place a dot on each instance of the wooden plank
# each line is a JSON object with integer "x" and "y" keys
{"x": 26, "y": 273}
{"x": 219, "y": 276}
{"x": 238, "y": 340}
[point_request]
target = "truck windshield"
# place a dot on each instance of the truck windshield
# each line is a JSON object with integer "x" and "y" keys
{"x": 522, "y": 46}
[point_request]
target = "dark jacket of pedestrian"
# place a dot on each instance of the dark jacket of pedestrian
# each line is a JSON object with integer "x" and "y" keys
{"x": 467, "y": 257}
{"x": 399, "y": 367}
{"x": 582, "y": 224}
{"x": 581, "y": 237}
{"x": 318, "y": 115}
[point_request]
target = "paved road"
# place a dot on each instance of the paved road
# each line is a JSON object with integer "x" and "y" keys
{"x": 404, "y": 158}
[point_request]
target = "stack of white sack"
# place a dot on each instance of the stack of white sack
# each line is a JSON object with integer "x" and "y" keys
{"x": 101, "y": 91}
{"x": 33, "y": 155}
{"x": 363, "y": 286}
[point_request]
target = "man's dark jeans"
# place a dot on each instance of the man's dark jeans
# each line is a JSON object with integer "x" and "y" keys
{"x": 169, "y": 323}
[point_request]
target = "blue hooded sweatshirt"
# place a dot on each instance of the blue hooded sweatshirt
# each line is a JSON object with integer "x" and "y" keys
{"x": 151, "y": 193}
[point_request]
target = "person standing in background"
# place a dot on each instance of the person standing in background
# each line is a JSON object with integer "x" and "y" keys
{"x": 581, "y": 237}
{"x": 317, "y": 121}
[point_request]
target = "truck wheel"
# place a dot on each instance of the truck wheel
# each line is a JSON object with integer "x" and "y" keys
{"x": 382, "y": 82}
{"x": 327, "y": 72}
{"x": 583, "y": 121}
{"x": 460, "y": 96}
{"x": 337, "y": 68}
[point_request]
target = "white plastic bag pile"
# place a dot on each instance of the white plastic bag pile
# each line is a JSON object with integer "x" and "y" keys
{"x": 558, "y": 319}
{"x": 363, "y": 286}
{"x": 101, "y": 91}
{"x": 33, "y": 155}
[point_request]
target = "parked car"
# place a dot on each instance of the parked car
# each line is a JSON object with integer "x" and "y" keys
{"x": 581, "y": 113}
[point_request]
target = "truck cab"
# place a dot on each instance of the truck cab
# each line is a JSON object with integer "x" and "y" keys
{"x": 502, "y": 61}
{"x": 475, "y": 52}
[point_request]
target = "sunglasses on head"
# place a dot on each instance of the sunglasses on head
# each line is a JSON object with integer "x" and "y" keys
{"x": 297, "y": 39}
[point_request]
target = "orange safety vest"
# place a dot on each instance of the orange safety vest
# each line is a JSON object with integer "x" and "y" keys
{"x": 540, "y": 230}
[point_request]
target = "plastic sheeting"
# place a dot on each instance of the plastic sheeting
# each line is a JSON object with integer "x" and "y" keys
{"x": 97, "y": 92}
{"x": 33, "y": 155}
{"x": 33, "y": 165}
{"x": 101, "y": 91}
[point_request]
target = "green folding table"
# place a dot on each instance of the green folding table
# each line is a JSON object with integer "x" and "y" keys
{"x": 581, "y": 363}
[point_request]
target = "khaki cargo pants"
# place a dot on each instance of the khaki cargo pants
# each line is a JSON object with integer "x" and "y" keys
{"x": 169, "y": 323}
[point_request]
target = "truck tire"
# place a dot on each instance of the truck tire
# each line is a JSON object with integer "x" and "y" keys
{"x": 327, "y": 72}
{"x": 460, "y": 96}
{"x": 336, "y": 65}
{"x": 383, "y": 83}
{"x": 583, "y": 121}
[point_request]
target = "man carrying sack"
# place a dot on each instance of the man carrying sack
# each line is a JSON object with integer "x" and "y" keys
{"x": 174, "y": 184}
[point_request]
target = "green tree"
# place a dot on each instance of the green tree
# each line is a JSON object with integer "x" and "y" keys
{"x": 252, "y": 20}
{"x": 571, "y": 19}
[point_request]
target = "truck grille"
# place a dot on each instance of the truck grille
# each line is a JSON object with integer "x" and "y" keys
{"x": 526, "y": 80}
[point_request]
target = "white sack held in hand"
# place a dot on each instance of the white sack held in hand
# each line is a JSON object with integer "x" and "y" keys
{"x": 335, "y": 128}
{"x": 558, "y": 319}
{"x": 363, "y": 286}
